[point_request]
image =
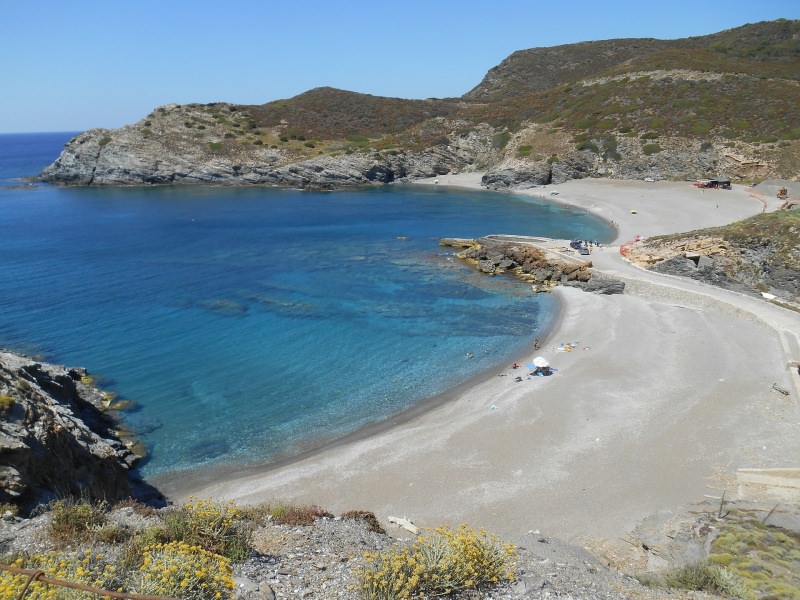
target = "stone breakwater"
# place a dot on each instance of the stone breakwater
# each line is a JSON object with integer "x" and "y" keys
{"x": 57, "y": 440}
{"x": 542, "y": 268}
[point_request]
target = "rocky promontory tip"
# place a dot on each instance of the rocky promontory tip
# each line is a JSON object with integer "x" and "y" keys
{"x": 531, "y": 260}
{"x": 56, "y": 440}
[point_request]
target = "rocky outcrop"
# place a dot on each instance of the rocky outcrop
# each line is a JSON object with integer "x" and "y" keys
{"x": 185, "y": 145}
{"x": 531, "y": 264}
{"x": 751, "y": 266}
{"x": 56, "y": 441}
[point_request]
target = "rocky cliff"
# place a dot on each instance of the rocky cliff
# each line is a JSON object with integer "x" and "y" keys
{"x": 56, "y": 441}
{"x": 194, "y": 144}
{"x": 723, "y": 104}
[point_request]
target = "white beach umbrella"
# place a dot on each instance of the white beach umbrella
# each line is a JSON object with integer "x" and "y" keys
{"x": 540, "y": 361}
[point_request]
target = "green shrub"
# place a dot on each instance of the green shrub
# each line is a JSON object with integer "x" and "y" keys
{"x": 441, "y": 563}
{"x": 708, "y": 578}
{"x": 146, "y": 132}
{"x": 700, "y": 127}
{"x": 649, "y": 149}
{"x": 524, "y": 151}
{"x": 587, "y": 145}
{"x": 791, "y": 134}
{"x": 552, "y": 159}
{"x": 183, "y": 571}
{"x": 706, "y": 146}
{"x": 500, "y": 140}
{"x": 215, "y": 146}
{"x": 310, "y": 145}
{"x": 650, "y": 135}
{"x": 609, "y": 143}
{"x": 105, "y": 140}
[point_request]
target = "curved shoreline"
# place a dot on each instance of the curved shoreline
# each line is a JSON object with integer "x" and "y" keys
{"x": 657, "y": 406}
{"x": 177, "y": 483}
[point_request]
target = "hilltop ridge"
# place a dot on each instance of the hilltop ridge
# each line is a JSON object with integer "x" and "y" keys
{"x": 726, "y": 103}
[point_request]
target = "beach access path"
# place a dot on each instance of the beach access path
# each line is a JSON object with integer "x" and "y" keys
{"x": 664, "y": 393}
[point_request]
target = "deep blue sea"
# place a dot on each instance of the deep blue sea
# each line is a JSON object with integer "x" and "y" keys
{"x": 248, "y": 324}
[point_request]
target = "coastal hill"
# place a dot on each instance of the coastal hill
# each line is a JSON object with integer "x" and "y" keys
{"x": 722, "y": 104}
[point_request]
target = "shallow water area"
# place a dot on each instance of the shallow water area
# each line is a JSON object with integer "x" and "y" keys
{"x": 248, "y": 323}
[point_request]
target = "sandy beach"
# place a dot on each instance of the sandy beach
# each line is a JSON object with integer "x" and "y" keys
{"x": 665, "y": 394}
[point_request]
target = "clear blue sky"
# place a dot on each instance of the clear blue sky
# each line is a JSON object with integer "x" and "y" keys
{"x": 70, "y": 66}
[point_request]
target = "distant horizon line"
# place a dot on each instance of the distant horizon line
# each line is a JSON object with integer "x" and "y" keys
{"x": 42, "y": 132}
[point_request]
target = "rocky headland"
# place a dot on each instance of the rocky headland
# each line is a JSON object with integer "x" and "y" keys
{"x": 626, "y": 109}
{"x": 57, "y": 439}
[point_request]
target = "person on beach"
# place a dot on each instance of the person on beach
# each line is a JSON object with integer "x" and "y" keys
{"x": 536, "y": 344}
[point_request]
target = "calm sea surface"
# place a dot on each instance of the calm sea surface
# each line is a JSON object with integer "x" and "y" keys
{"x": 248, "y": 324}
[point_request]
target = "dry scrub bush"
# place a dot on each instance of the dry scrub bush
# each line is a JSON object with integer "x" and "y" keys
{"x": 282, "y": 514}
{"x": 74, "y": 521}
{"x": 439, "y": 564}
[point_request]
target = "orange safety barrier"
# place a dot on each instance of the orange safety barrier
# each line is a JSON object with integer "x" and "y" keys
{"x": 38, "y": 575}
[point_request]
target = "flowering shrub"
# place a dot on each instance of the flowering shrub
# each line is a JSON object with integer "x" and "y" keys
{"x": 438, "y": 564}
{"x": 88, "y": 568}
{"x": 215, "y": 527}
{"x": 182, "y": 571}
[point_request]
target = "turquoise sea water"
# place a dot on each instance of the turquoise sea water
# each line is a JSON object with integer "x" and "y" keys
{"x": 248, "y": 323}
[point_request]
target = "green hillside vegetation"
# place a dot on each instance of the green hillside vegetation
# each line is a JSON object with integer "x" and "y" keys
{"x": 329, "y": 113}
{"x": 739, "y": 85}
{"x": 728, "y": 101}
